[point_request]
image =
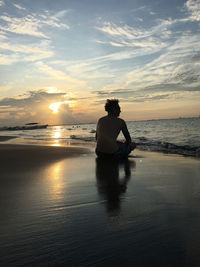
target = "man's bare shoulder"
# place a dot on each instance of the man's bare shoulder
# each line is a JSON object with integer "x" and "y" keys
{"x": 115, "y": 120}
{"x": 103, "y": 118}
{"x": 121, "y": 120}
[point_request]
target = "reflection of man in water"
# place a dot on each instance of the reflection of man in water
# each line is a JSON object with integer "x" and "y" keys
{"x": 111, "y": 185}
{"x": 108, "y": 129}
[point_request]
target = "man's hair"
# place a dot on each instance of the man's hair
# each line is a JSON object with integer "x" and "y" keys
{"x": 111, "y": 104}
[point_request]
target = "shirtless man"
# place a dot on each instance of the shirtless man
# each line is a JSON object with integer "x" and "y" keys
{"x": 108, "y": 129}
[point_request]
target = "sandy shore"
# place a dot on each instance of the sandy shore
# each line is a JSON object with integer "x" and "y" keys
{"x": 63, "y": 207}
{"x": 29, "y": 156}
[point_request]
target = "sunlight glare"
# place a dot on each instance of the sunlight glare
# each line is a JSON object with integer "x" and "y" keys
{"x": 56, "y": 135}
{"x": 55, "y": 107}
{"x": 51, "y": 89}
{"x": 55, "y": 181}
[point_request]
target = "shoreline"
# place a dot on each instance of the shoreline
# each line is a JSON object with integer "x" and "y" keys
{"x": 70, "y": 148}
{"x": 75, "y": 147}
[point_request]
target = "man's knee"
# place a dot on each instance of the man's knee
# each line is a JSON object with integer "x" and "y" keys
{"x": 133, "y": 145}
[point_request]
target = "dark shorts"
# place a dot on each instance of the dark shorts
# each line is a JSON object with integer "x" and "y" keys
{"x": 123, "y": 151}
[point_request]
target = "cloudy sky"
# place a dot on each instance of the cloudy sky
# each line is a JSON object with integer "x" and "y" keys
{"x": 60, "y": 60}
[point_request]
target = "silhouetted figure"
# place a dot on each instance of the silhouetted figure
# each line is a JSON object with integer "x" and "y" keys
{"x": 110, "y": 185}
{"x": 108, "y": 129}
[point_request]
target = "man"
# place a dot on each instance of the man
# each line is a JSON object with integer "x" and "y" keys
{"x": 108, "y": 129}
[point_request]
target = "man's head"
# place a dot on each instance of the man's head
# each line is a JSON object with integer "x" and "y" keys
{"x": 112, "y": 107}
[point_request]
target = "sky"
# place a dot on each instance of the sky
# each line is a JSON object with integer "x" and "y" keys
{"x": 60, "y": 60}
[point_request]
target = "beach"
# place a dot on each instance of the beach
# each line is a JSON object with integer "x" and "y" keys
{"x": 61, "y": 206}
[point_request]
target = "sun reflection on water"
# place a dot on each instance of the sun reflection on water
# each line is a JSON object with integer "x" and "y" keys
{"x": 56, "y": 136}
{"x": 56, "y": 182}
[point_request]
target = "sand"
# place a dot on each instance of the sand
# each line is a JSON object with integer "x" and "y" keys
{"x": 20, "y": 157}
{"x": 64, "y": 207}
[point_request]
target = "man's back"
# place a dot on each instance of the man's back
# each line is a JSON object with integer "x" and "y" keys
{"x": 108, "y": 129}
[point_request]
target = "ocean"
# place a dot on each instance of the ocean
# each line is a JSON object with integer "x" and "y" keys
{"x": 176, "y": 136}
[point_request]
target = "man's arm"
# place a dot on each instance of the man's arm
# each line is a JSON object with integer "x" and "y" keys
{"x": 96, "y": 130}
{"x": 126, "y": 133}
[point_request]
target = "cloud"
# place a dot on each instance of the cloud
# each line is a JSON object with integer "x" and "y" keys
{"x": 98, "y": 67}
{"x": 57, "y": 74}
{"x": 153, "y": 93}
{"x": 3, "y": 35}
{"x": 125, "y": 31}
{"x": 127, "y": 36}
{"x": 88, "y": 70}
{"x": 19, "y": 7}
{"x": 170, "y": 87}
{"x": 34, "y": 106}
{"x": 2, "y": 3}
{"x": 19, "y": 52}
{"x": 159, "y": 36}
{"x": 31, "y": 24}
{"x": 175, "y": 56}
{"x": 55, "y": 22}
{"x": 119, "y": 92}
{"x": 134, "y": 97}
{"x": 149, "y": 42}
{"x": 32, "y": 97}
{"x": 61, "y": 13}
{"x": 13, "y": 49}
{"x": 193, "y": 6}
{"x": 151, "y": 98}
{"x": 8, "y": 59}
{"x": 179, "y": 63}
{"x": 27, "y": 25}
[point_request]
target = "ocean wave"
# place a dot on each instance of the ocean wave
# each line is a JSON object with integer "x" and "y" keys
{"x": 144, "y": 143}
{"x": 167, "y": 147}
{"x": 86, "y": 139}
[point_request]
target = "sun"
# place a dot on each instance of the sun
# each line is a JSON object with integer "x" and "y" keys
{"x": 51, "y": 90}
{"x": 55, "y": 107}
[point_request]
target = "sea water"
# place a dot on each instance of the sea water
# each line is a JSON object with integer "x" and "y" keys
{"x": 178, "y": 136}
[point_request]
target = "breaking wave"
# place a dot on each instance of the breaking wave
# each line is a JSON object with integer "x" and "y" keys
{"x": 144, "y": 143}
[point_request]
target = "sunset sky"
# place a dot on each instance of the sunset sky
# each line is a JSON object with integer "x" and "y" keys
{"x": 60, "y": 60}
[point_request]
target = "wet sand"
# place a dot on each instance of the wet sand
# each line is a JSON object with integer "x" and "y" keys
{"x": 20, "y": 157}
{"x": 64, "y": 207}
